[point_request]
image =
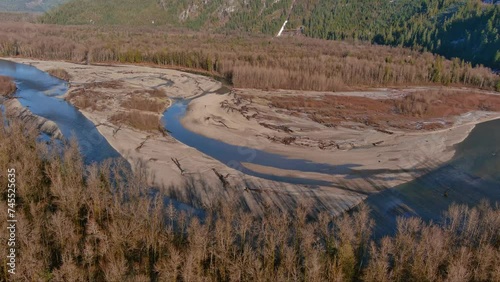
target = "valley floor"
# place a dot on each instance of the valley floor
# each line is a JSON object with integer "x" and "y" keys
{"x": 381, "y": 155}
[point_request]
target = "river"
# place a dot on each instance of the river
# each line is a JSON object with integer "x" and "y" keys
{"x": 39, "y": 91}
{"x": 472, "y": 175}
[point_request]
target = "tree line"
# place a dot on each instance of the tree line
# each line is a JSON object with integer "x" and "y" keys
{"x": 246, "y": 62}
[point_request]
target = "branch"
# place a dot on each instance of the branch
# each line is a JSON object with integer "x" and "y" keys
{"x": 116, "y": 130}
{"x": 178, "y": 164}
{"x": 222, "y": 178}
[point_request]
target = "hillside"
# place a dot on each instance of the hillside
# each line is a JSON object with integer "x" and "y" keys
{"x": 29, "y": 5}
{"x": 252, "y": 16}
{"x": 453, "y": 28}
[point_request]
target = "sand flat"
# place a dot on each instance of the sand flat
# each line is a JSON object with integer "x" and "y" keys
{"x": 397, "y": 158}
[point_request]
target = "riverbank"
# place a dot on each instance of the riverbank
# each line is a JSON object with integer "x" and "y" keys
{"x": 14, "y": 109}
{"x": 369, "y": 158}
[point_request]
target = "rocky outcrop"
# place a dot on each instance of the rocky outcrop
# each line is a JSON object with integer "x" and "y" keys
{"x": 14, "y": 109}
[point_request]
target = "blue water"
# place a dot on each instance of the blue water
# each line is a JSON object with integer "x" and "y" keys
{"x": 38, "y": 91}
{"x": 233, "y": 156}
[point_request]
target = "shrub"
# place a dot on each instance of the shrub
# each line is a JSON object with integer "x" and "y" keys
{"x": 7, "y": 86}
{"x": 60, "y": 73}
{"x": 137, "y": 119}
{"x": 85, "y": 98}
{"x": 156, "y": 105}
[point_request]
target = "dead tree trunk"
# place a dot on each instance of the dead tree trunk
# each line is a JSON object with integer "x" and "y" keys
{"x": 141, "y": 145}
{"x": 178, "y": 164}
{"x": 164, "y": 132}
{"x": 116, "y": 130}
{"x": 222, "y": 178}
{"x": 86, "y": 59}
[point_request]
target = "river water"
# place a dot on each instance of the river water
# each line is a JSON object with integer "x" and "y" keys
{"x": 472, "y": 175}
{"x": 38, "y": 91}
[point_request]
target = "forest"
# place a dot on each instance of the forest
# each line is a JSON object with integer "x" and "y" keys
{"x": 467, "y": 30}
{"x": 259, "y": 62}
{"x": 36, "y": 6}
{"x": 103, "y": 222}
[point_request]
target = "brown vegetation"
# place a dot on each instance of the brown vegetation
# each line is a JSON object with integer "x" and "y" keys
{"x": 145, "y": 104}
{"x": 102, "y": 223}
{"x": 7, "y": 86}
{"x": 152, "y": 93}
{"x": 87, "y": 99}
{"x": 435, "y": 104}
{"x": 60, "y": 73}
{"x": 247, "y": 62}
{"x": 154, "y": 100}
{"x": 137, "y": 119}
{"x": 404, "y": 113}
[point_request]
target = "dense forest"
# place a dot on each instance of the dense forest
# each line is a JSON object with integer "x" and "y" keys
{"x": 469, "y": 30}
{"x": 104, "y": 223}
{"x": 221, "y": 15}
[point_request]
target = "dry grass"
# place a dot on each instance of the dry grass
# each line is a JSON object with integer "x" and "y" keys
{"x": 7, "y": 86}
{"x": 435, "y": 104}
{"x": 150, "y": 100}
{"x": 60, "y": 73}
{"x": 102, "y": 223}
{"x": 137, "y": 119}
{"x": 87, "y": 99}
{"x": 331, "y": 110}
{"x": 155, "y": 105}
{"x": 153, "y": 93}
{"x": 416, "y": 104}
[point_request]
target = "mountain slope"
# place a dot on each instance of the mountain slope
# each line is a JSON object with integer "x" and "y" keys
{"x": 468, "y": 29}
{"x": 454, "y": 28}
{"x": 247, "y": 15}
{"x": 29, "y": 5}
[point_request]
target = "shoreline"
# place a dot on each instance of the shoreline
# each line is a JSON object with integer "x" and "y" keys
{"x": 14, "y": 108}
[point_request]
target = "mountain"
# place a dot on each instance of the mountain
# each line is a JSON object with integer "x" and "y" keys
{"x": 29, "y": 5}
{"x": 467, "y": 29}
{"x": 248, "y": 15}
